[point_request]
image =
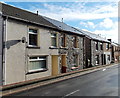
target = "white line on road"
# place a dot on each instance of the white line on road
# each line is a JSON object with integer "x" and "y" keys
{"x": 104, "y": 69}
{"x": 71, "y": 93}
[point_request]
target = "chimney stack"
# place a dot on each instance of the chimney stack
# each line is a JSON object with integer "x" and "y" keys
{"x": 37, "y": 12}
{"x": 109, "y": 40}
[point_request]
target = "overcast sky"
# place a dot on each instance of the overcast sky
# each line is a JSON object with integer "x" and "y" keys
{"x": 97, "y": 17}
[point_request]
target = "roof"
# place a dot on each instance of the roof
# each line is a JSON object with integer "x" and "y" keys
{"x": 17, "y": 13}
{"x": 115, "y": 44}
{"x": 63, "y": 26}
{"x": 93, "y": 36}
{"x": 24, "y": 15}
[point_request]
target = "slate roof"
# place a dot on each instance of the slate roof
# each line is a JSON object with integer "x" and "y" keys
{"x": 63, "y": 26}
{"x": 27, "y": 16}
{"x": 24, "y": 15}
{"x": 93, "y": 36}
{"x": 17, "y": 13}
{"x": 115, "y": 44}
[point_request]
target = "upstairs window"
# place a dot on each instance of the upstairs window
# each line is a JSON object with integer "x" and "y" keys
{"x": 101, "y": 46}
{"x": 63, "y": 40}
{"x": 75, "y": 42}
{"x": 107, "y": 45}
{"x": 33, "y": 36}
{"x": 96, "y": 44}
{"x": 53, "y": 39}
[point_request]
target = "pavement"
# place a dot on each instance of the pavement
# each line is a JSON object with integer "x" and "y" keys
{"x": 102, "y": 82}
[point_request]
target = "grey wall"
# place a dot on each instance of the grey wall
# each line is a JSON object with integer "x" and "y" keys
{"x": 70, "y": 51}
{"x": 1, "y": 44}
{"x": 119, "y": 22}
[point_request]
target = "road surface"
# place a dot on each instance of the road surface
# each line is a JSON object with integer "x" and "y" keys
{"x": 100, "y": 83}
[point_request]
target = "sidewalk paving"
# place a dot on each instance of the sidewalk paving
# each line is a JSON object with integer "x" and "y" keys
{"x": 29, "y": 84}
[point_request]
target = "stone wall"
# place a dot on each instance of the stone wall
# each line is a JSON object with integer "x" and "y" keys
{"x": 70, "y": 51}
{"x": 95, "y": 52}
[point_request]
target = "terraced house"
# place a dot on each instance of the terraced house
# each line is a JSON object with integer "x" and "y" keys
{"x": 33, "y": 46}
{"x": 115, "y": 52}
{"x": 96, "y": 51}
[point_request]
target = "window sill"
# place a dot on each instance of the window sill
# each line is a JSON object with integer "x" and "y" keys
{"x": 53, "y": 47}
{"x": 33, "y": 47}
{"x": 37, "y": 71}
{"x": 76, "y": 48}
{"x": 63, "y": 47}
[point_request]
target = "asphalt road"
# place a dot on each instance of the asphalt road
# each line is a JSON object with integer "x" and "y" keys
{"x": 100, "y": 83}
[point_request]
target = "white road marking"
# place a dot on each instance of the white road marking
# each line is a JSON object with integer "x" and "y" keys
{"x": 72, "y": 93}
{"x": 104, "y": 69}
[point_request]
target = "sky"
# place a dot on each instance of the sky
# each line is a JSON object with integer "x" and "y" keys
{"x": 97, "y": 17}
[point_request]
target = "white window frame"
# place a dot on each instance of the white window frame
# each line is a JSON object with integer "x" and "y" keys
{"x": 107, "y": 44}
{"x": 96, "y": 46}
{"x": 63, "y": 37}
{"x": 33, "y": 34}
{"x": 101, "y": 44}
{"x": 39, "y": 58}
{"x": 97, "y": 60}
{"x": 56, "y": 40}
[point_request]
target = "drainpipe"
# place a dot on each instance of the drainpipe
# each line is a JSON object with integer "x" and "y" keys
{"x": 1, "y": 49}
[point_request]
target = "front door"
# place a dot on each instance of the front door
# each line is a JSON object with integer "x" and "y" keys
{"x": 54, "y": 65}
{"x": 63, "y": 63}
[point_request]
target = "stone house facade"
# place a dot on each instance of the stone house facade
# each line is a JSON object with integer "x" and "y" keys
{"x": 115, "y": 52}
{"x": 70, "y": 46}
{"x": 94, "y": 49}
{"x": 107, "y": 52}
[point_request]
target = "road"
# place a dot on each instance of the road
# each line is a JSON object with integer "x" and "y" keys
{"x": 100, "y": 83}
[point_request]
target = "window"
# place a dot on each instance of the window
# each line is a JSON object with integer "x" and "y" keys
{"x": 108, "y": 57}
{"x": 75, "y": 60}
{"x": 107, "y": 45}
{"x": 33, "y": 36}
{"x": 101, "y": 46}
{"x": 54, "y": 39}
{"x": 75, "y": 42}
{"x": 96, "y": 44}
{"x": 37, "y": 63}
{"x": 97, "y": 59}
{"x": 63, "y": 40}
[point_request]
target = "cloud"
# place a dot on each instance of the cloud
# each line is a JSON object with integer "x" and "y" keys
{"x": 78, "y": 11}
{"x": 60, "y": 0}
{"x": 84, "y": 11}
{"x": 107, "y": 23}
{"x": 88, "y": 24}
{"x": 111, "y": 33}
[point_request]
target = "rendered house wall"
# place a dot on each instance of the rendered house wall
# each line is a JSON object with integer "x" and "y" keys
{"x": 17, "y": 52}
